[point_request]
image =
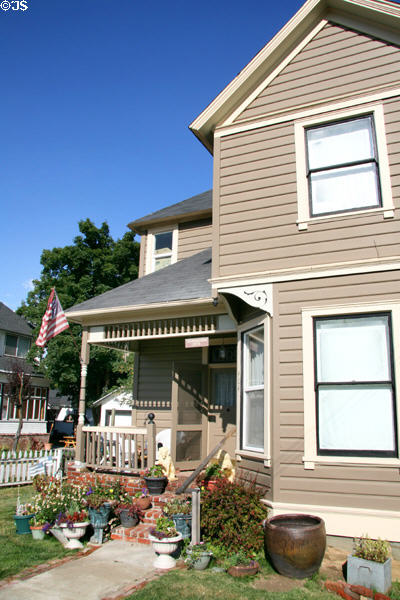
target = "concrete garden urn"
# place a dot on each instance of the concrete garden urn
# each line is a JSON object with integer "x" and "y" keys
{"x": 73, "y": 532}
{"x": 164, "y": 548}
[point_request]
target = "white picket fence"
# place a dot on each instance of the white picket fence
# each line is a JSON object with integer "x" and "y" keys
{"x": 20, "y": 467}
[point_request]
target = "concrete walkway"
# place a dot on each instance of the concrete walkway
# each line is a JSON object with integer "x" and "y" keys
{"x": 106, "y": 573}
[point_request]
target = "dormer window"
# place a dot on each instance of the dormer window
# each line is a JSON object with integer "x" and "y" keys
{"x": 161, "y": 249}
{"x": 16, "y": 345}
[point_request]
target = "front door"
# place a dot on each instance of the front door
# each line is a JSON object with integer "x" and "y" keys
{"x": 222, "y": 411}
{"x": 189, "y": 415}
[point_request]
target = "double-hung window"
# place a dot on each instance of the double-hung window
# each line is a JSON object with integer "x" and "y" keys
{"x": 162, "y": 250}
{"x": 16, "y": 345}
{"x": 342, "y": 165}
{"x": 252, "y": 416}
{"x": 354, "y": 386}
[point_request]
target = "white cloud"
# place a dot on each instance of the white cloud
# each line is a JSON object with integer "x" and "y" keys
{"x": 28, "y": 285}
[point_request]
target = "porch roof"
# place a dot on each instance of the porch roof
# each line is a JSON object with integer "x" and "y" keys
{"x": 184, "y": 280}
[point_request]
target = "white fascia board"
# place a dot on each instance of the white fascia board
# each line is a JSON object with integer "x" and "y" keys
{"x": 268, "y": 58}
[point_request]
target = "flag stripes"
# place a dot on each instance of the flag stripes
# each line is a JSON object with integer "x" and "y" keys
{"x": 53, "y": 322}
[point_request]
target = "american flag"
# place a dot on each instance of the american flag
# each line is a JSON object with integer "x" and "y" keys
{"x": 53, "y": 322}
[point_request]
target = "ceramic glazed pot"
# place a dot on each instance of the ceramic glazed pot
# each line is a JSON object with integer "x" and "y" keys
{"x": 37, "y": 532}
{"x": 156, "y": 485}
{"x": 126, "y": 519}
{"x": 164, "y": 548}
{"x": 295, "y": 544}
{"x": 202, "y": 561}
{"x": 22, "y": 524}
{"x": 183, "y": 524}
{"x": 244, "y": 570}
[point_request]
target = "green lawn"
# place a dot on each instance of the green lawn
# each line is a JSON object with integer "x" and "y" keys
{"x": 18, "y": 552}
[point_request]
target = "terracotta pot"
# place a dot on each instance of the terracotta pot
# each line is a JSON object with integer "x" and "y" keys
{"x": 244, "y": 570}
{"x": 143, "y": 503}
{"x": 295, "y": 544}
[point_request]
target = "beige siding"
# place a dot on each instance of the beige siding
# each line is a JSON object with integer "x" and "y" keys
{"x": 258, "y": 207}
{"x": 193, "y": 237}
{"x": 325, "y": 68}
{"x": 331, "y": 485}
{"x": 154, "y": 377}
{"x": 252, "y": 471}
{"x": 143, "y": 255}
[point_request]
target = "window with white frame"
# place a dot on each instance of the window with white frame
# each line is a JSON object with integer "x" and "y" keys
{"x": 342, "y": 171}
{"x": 354, "y": 386}
{"x": 342, "y": 165}
{"x": 16, "y": 345}
{"x": 33, "y": 409}
{"x": 252, "y": 413}
{"x": 161, "y": 249}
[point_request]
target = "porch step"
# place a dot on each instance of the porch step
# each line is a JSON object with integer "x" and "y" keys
{"x": 138, "y": 534}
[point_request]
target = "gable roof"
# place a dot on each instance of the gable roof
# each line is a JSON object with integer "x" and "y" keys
{"x": 184, "y": 280}
{"x": 9, "y": 321}
{"x": 382, "y": 15}
{"x": 201, "y": 203}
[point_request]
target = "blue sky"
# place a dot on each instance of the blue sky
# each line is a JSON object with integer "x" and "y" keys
{"x": 97, "y": 96}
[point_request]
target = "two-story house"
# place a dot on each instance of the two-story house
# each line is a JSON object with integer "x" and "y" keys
{"x": 15, "y": 341}
{"x": 299, "y": 298}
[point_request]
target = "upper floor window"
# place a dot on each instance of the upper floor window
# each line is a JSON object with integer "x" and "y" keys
{"x": 16, "y": 345}
{"x": 342, "y": 166}
{"x": 161, "y": 249}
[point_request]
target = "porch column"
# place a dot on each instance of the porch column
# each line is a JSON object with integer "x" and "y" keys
{"x": 85, "y": 353}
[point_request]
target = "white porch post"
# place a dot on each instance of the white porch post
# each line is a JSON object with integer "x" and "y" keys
{"x": 85, "y": 354}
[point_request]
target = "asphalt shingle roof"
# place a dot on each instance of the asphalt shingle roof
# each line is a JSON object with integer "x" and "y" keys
{"x": 184, "y": 280}
{"x": 195, "y": 203}
{"x": 13, "y": 323}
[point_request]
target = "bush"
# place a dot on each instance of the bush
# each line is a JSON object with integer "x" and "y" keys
{"x": 232, "y": 515}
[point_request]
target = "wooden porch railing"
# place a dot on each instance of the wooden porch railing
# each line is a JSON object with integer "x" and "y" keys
{"x": 120, "y": 449}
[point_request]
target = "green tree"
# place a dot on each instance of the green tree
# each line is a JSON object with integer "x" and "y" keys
{"x": 92, "y": 265}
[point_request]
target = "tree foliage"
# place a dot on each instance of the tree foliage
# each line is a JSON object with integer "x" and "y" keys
{"x": 92, "y": 265}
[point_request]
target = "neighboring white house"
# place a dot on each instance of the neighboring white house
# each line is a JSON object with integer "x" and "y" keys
{"x": 119, "y": 401}
{"x": 15, "y": 341}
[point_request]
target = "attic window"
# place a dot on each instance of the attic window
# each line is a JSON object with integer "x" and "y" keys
{"x": 162, "y": 250}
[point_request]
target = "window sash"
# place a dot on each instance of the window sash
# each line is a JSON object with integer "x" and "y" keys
{"x": 355, "y": 403}
{"x": 252, "y": 429}
{"x": 342, "y": 166}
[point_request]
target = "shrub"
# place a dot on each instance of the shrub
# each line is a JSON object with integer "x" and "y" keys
{"x": 232, "y": 515}
{"x": 376, "y": 550}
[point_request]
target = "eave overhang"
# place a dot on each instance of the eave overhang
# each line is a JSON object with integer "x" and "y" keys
{"x": 381, "y": 13}
{"x": 143, "y": 226}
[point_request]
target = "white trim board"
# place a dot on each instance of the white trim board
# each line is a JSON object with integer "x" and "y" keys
{"x": 347, "y": 522}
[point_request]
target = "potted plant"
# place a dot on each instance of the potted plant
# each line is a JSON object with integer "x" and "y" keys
{"x": 211, "y": 475}
{"x": 73, "y": 522}
{"x": 143, "y": 499}
{"x": 37, "y": 524}
{"x": 370, "y": 564}
{"x": 180, "y": 511}
{"x": 155, "y": 479}
{"x": 99, "y": 507}
{"x": 241, "y": 564}
{"x": 129, "y": 513}
{"x": 23, "y": 514}
{"x": 198, "y": 556}
{"x": 165, "y": 540}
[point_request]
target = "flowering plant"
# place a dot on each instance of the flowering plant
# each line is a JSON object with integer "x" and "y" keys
{"x": 164, "y": 528}
{"x": 132, "y": 508}
{"x": 98, "y": 494}
{"x": 57, "y": 502}
{"x": 155, "y": 471}
{"x": 143, "y": 494}
{"x": 178, "y": 506}
{"x": 24, "y": 509}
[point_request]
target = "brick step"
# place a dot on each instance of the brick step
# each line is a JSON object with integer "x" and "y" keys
{"x": 138, "y": 534}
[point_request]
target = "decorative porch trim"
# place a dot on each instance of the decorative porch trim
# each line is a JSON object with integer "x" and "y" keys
{"x": 259, "y": 296}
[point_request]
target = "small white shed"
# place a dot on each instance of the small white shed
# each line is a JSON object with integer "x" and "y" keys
{"x": 115, "y": 405}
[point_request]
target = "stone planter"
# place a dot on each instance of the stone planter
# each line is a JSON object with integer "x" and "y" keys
{"x": 156, "y": 485}
{"x": 370, "y": 574}
{"x": 202, "y": 560}
{"x": 244, "y": 570}
{"x": 295, "y": 544}
{"x": 99, "y": 520}
{"x": 74, "y": 533}
{"x": 164, "y": 548}
{"x": 37, "y": 532}
{"x": 22, "y": 524}
{"x": 183, "y": 524}
{"x": 126, "y": 519}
